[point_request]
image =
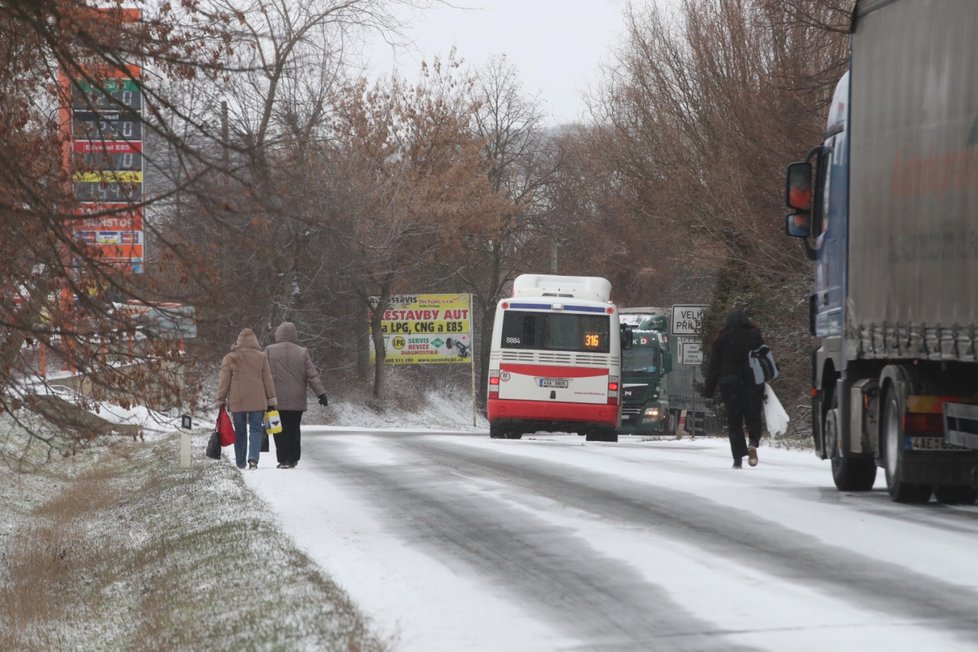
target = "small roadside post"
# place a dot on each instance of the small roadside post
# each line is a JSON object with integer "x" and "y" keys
{"x": 186, "y": 425}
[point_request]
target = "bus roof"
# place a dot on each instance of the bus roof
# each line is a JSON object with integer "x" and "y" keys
{"x": 593, "y": 288}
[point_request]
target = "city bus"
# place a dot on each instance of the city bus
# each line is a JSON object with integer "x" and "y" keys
{"x": 555, "y": 359}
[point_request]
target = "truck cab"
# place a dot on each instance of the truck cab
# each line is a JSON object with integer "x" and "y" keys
{"x": 645, "y": 410}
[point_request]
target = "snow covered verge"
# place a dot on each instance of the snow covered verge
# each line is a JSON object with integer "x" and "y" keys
{"x": 118, "y": 543}
{"x": 119, "y": 547}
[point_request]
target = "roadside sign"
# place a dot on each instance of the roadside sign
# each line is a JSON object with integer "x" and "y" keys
{"x": 104, "y": 121}
{"x": 686, "y": 320}
{"x": 427, "y": 328}
{"x": 690, "y": 353}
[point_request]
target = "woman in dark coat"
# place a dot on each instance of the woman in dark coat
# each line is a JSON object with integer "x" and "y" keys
{"x": 293, "y": 371}
{"x": 728, "y": 371}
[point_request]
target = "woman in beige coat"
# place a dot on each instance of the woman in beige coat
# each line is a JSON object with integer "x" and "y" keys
{"x": 246, "y": 388}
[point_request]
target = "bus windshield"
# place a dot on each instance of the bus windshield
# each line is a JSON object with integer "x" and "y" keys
{"x": 549, "y": 331}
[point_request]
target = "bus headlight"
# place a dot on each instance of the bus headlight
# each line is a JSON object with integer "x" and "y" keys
{"x": 652, "y": 412}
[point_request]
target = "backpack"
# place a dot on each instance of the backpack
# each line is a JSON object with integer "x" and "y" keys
{"x": 761, "y": 367}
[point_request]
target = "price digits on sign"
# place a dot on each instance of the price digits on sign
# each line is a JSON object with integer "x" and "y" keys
{"x": 100, "y": 160}
{"x": 113, "y": 95}
{"x": 108, "y": 126}
{"x": 107, "y": 192}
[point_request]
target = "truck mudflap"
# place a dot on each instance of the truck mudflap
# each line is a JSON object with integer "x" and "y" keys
{"x": 961, "y": 424}
{"x": 961, "y": 429}
{"x": 940, "y": 470}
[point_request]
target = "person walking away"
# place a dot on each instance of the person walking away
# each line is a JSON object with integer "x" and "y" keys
{"x": 246, "y": 387}
{"x": 742, "y": 398}
{"x": 293, "y": 371}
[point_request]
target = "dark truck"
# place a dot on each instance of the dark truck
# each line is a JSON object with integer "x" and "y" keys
{"x": 887, "y": 207}
{"x": 645, "y": 407}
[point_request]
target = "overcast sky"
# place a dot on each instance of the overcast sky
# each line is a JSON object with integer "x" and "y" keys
{"x": 557, "y": 46}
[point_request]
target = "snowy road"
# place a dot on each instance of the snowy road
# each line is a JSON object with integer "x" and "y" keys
{"x": 458, "y": 542}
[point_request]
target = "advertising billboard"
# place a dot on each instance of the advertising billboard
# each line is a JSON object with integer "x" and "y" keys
{"x": 427, "y": 329}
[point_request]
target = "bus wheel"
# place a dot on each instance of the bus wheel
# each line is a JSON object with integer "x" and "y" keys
{"x": 891, "y": 425}
{"x": 495, "y": 432}
{"x": 956, "y": 495}
{"x": 514, "y": 435}
{"x": 849, "y": 473}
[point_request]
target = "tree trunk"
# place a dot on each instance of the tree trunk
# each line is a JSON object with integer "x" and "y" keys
{"x": 376, "y": 317}
{"x": 486, "y": 316}
{"x": 381, "y": 355}
{"x": 363, "y": 341}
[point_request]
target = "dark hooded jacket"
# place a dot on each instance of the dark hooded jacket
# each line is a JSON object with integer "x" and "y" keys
{"x": 292, "y": 369}
{"x": 728, "y": 357}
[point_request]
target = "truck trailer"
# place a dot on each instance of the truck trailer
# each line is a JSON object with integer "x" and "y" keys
{"x": 887, "y": 208}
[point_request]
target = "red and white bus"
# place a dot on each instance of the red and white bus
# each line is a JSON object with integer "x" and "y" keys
{"x": 555, "y": 359}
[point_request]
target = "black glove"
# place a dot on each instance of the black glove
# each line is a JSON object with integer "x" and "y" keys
{"x": 323, "y": 400}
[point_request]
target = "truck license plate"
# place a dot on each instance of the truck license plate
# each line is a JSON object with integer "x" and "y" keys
{"x": 931, "y": 444}
{"x": 554, "y": 382}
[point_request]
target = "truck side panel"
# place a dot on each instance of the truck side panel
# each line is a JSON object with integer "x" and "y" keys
{"x": 913, "y": 232}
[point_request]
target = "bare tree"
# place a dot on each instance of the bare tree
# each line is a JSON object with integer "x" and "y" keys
{"x": 61, "y": 296}
{"x": 409, "y": 177}
{"x": 270, "y": 226}
{"x": 509, "y": 127}
{"x": 705, "y": 113}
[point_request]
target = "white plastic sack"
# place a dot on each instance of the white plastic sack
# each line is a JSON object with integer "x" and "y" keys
{"x": 774, "y": 415}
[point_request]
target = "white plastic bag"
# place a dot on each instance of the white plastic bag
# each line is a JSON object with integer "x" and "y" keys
{"x": 774, "y": 414}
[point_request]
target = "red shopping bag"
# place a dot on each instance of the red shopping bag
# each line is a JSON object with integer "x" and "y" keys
{"x": 225, "y": 429}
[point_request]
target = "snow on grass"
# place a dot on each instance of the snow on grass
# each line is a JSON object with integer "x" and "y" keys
{"x": 137, "y": 548}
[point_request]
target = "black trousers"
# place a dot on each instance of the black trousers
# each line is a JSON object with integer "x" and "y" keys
{"x": 287, "y": 446}
{"x": 743, "y": 404}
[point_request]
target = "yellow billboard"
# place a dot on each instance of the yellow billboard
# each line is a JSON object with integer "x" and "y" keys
{"x": 427, "y": 329}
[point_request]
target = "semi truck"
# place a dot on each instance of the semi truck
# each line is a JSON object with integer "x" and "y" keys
{"x": 644, "y": 369}
{"x": 887, "y": 208}
{"x": 555, "y": 359}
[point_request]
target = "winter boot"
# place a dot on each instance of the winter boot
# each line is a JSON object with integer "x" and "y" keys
{"x": 752, "y": 455}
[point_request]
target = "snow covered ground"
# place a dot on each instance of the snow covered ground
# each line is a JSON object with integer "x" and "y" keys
{"x": 421, "y": 601}
{"x": 427, "y": 603}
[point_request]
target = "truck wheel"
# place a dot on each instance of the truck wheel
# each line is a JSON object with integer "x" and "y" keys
{"x": 849, "y": 473}
{"x": 891, "y": 424}
{"x": 956, "y": 495}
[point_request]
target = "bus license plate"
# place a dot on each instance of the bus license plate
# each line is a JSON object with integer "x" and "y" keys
{"x": 554, "y": 382}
